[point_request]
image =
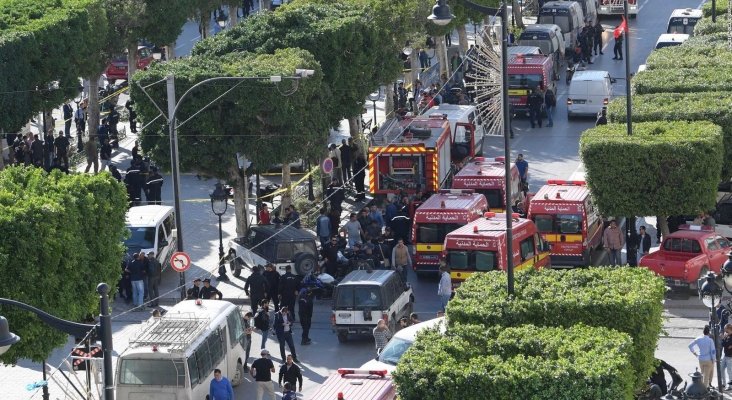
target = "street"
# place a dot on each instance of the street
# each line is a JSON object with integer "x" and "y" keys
{"x": 552, "y": 153}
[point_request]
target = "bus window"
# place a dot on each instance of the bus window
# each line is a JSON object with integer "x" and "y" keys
{"x": 458, "y": 259}
{"x": 494, "y": 197}
{"x": 569, "y": 223}
{"x": 485, "y": 261}
{"x": 434, "y": 233}
{"x": 236, "y": 330}
{"x": 193, "y": 370}
{"x": 527, "y": 248}
{"x": 545, "y": 223}
{"x": 156, "y": 372}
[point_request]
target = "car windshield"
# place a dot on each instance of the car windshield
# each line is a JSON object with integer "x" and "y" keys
{"x": 393, "y": 351}
{"x": 141, "y": 238}
{"x": 154, "y": 372}
{"x": 494, "y": 197}
{"x": 434, "y": 233}
{"x": 560, "y": 223}
{"x": 471, "y": 260}
{"x": 358, "y": 297}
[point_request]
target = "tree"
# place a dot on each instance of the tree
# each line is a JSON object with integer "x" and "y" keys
{"x": 47, "y": 249}
{"x": 268, "y": 122}
{"x": 665, "y": 168}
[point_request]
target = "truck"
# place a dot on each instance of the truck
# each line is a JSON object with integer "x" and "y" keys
{"x": 414, "y": 154}
{"x": 615, "y": 7}
{"x": 687, "y": 255}
{"x": 481, "y": 246}
{"x": 462, "y": 114}
{"x": 527, "y": 72}
{"x": 566, "y": 216}
{"x": 357, "y": 384}
{"x": 440, "y": 214}
{"x": 487, "y": 177}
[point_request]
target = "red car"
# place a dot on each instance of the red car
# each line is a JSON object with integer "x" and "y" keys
{"x": 117, "y": 68}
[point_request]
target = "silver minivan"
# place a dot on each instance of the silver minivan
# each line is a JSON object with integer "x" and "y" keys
{"x": 152, "y": 228}
{"x": 568, "y": 16}
{"x": 589, "y": 91}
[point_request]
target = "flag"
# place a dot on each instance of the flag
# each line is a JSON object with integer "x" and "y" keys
{"x": 622, "y": 28}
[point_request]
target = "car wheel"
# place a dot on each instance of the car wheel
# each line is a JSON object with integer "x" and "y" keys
{"x": 342, "y": 337}
{"x": 305, "y": 263}
{"x": 238, "y": 375}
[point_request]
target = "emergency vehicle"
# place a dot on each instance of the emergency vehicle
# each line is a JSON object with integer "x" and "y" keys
{"x": 527, "y": 72}
{"x": 465, "y": 114}
{"x": 481, "y": 246}
{"x": 413, "y": 154}
{"x": 357, "y": 384}
{"x": 487, "y": 177}
{"x": 615, "y": 7}
{"x": 442, "y": 213}
{"x": 566, "y": 216}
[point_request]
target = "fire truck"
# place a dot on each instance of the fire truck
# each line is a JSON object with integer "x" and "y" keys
{"x": 357, "y": 384}
{"x": 527, "y": 72}
{"x": 415, "y": 153}
{"x": 487, "y": 177}
{"x": 565, "y": 215}
{"x": 481, "y": 246}
{"x": 615, "y": 7}
{"x": 440, "y": 214}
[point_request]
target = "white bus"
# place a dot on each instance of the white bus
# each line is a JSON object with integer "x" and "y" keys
{"x": 174, "y": 357}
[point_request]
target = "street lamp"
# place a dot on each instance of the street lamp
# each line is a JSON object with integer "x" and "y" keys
{"x": 219, "y": 204}
{"x": 711, "y": 295}
{"x": 407, "y": 49}
{"x": 102, "y": 329}
{"x": 441, "y": 15}
{"x": 374, "y": 97}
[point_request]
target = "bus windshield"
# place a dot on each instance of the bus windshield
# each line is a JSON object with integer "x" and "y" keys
{"x": 472, "y": 260}
{"x": 494, "y": 197}
{"x": 559, "y": 223}
{"x": 434, "y": 233}
{"x": 154, "y": 372}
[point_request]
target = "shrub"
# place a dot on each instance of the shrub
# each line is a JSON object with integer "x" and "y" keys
{"x": 705, "y": 26}
{"x": 625, "y": 299}
{"x": 694, "y": 56}
{"x": 714, "y": 39}
{"x": 721, "y": 8}
{"x": 524, "y": 362}
{"x": 707, "y": 78}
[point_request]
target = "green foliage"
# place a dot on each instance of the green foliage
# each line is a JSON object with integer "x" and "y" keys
{"x": 625, "y": 299}
{"x": 715, "y": 107}
{"x": 705, "y": 26}
{"x": 356, "y": 53}
{"x": 721, "y": 8}
{"x": 687, "y": 56}
{"x": 523, "y": 362}
{"x": 665, "y": 168}
{"x": 62, "y": 235}
{"x": 714, "y": 39}
{"x": 708, "y": 78}
{"x": 258, "y": 118}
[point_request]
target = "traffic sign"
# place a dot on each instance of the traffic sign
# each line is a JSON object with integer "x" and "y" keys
{"x": 180, "y": 261}
{"x": 327, "y": 165}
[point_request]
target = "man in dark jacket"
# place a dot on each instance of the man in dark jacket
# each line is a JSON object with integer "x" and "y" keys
{"x": 154, "y": 274}
{"x": 136, "y": 269}
{"x": 195, "y": 291}
{"x": 290, "y": 373}
{"x": 134, "y": 181}
{"x": 305, "y": 312}
{"x": 535, "y": 101}
{"x": 68, "y": 116}
{"x": 346, "y": 160}
{"x": 597, "y": 32}
{"x": 153, "y": 187}
{"x": 335, "y": 194}
{"x": 359, "y": 176}
{"x": 210, "y": 292}
{"x": 289, "y": 285}
{"x": 37, "y": 151}
{"x": 273, "y": 283}
{"x": 256, "y": 287}
{"x": 282, "y": 325}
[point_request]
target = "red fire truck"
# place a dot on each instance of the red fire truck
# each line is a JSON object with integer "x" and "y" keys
{"x": 527, "y": 72}
{"x": 565, "y": 215}
{"x": 481, "y": 246}
{"x": 356, "y": 384}
{"x": 415, "y": 153}
{"x": 442, "y": 213}
{"x": 615, "y": 7}
{"x": 487, "y": 177}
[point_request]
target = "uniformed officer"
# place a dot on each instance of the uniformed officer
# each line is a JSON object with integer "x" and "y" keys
{"x": 195, "y": 291}
{"x": 210, "y": 292}
{"x": 289, "y": 286}
{"x": 134, "y": 181}
{"x": 153, "y": 187}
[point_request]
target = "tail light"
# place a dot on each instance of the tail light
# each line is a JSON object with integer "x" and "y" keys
{"x": 569, "y": 101}
{"x": 385, "y": 317}
{"x": 605, "y": 101}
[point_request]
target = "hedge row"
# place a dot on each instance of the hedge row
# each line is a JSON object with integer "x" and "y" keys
{"x": 627, "y": 300}
{"x": 683, "y": 80}
{"x": 714, "y": 39}
{"x": 690, "y": 56}
{"x": 721, "y": 8}
{"x": 705, "y": 26}
{"x": 525, "y": 362}
{"x": 715, "y": 107}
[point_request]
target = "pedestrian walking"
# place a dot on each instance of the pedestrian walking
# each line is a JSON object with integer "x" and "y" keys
{"x": 618, "y": 48}
{"x": 136, "y": 269}
{"x": 444, "y": 288}
{"x": 727, "y": 355}
{"x": 550, "y": 101}
{"x": 289, "y": 287}
{"x": 305, "y": 313}
{"x": 535, "y": 101}
{"x": 272, "y": 277}
{"x": 262, "y": 370}
{"x": 105, "y": 154}
{"x": 613, "y": 241}
{"x": 220, "y": 388}
{"x": 382, "y": 334}
{"x": 61, "y": 145}
{"x": 154, "y": 276}
{"x": 400, "y": 259}
{"x": 256, "y": 287}
{"x": 283, "y": 329}
{"x": 247, "y": 322}
{"x": 263, "y": 322}
{"x": 290, "y": 373}
{"x": 597, "y": 32}
{"x": 523, "y": 169}
{"x": 705, "y": 353}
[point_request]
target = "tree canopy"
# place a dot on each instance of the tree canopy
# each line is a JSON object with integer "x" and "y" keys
{"x": 62, "y": 235}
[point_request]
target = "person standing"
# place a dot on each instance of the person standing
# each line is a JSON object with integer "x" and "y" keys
{"x": 154, "y": 274}
{"x": 256, "y": 287}
{"x": 68, "y": 117}
{"x": 105, "y": 154}
{"x": 644, "y": 242}
{"x": 289, "y": 286}
{"x": 37, "y": 150}
{"x": 597, "y": 32}
{"x": 80, "y": 120}
{"x": 305, "y": 312}
{"x": 220, "y": 388}
{"x": 336, "y": 195}
{"x": 523, "y": 169}
{"x": 550, "y": 101}
{"x": 444, "y": 288}
{"x": 613, "y": 241}
{"x": 382, "y": 334}
{"x": 346, "y": 157}
{"x": 727, "y": 354}
{"x": 283, "y": 329}
{"x": 247, "y": 322}
{"x": 618, "y": 48}
{"x": 136, "y": 269}
{"x": 264, "y": 215}
{"x": 359, "y": 176}
{"x": 129, "y": 105}
{"x": 322, "y": 227}
{"x": 353, "y": 230}
{"x": 154, "y": 187}
{"x": 335, "y": 156}
{"x": 705, "y": 354}
{"x": 61, "y": 144}
{"x": 262, "y": 370}
{"x": 273, "y": 282}
{"x": 290, "y": 373}
{"x": 263, "y": 322}
{"x": 400, "y": 259}
{"x": 48, "y": 150}
{"x": 210, "y": 292}
{"x": 535, "y": 101}
{"x": 195, "y": 291}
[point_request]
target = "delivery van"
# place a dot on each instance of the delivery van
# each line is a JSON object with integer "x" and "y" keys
{"x": 152, "y": 228}
{"x": 589, "y": 91}
{"x": 683, "y": 20}
{"x": 568, "y": 16}
{"x": 589, "y": 9}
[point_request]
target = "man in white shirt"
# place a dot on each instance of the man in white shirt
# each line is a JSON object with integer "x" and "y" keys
{"x": 444, "y": 289}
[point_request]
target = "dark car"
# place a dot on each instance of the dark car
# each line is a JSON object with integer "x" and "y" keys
{"x": 280, "y": 245}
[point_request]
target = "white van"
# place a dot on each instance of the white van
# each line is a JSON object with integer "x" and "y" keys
{"x": 568, "y": 16}
{"x": 589, "y": 91}
{"x": 683, "y": 20}
{"x": 463, "y": 114}
{"x": 152, "y": 228}
{"x": 670, "y": 39}
{"x": 589, "y": 9}
{"x": 400, "y": 343}
{"x": 174, "y": 357}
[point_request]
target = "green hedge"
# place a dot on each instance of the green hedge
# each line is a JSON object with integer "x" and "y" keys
{"x": 721, "y": 8}
{"x": 715, "y": 107}
{"x": 664, "y": 168}
{"x": 625, "y": 299}
{"x": 708, "y": 78}
{"x": 714, "y": 39}
{"x": 689, "y": 57}
{"x": 705, "y": 26}
{"x": 524, "y": 362}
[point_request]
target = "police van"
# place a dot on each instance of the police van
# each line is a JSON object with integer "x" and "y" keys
{"x": 683, "y": 20}
{"x": 152, "y": 228}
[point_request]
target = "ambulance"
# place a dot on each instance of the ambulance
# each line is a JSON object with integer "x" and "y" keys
{"x": 414, "y": 154}
{"x": 527, "y": 72}
{"x": 566, "y": 216}
{"x": 464, "y": 115}
{"x": 487, "y": 177}
{"x": 440, "y": 214}
{"x": 357, "y": 384}
{"x": 480, "y": 246}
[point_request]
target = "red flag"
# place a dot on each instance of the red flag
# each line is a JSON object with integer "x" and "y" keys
{"x": 622, "y": 28}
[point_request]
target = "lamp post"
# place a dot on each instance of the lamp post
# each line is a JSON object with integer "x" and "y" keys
{"x": 219, "y": 204}
{"x": 102, "y": 330}
{"x": 711, "y": 295}
{"x": 441, "y": 15}
{"x": 374, "y": 97}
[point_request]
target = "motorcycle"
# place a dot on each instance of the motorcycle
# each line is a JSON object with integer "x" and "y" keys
{"x": 321, "y": 284}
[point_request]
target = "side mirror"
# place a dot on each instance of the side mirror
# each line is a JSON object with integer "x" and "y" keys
{"x": 163, "y": 243}
{"x": 613, "y": 80}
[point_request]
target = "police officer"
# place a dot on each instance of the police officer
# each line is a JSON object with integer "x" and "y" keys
{"x": 289, "y": 285}
{"x": 195, "y": 291}
{"x": 210, "y": 292}
{"x": 535, "y": 101}
{"x": 134, "y": 181}
{"x": 257, "y": 284}
{"x": 153, "y": 187}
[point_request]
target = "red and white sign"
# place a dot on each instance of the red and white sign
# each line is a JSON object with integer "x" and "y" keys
{"x": 180, "y": 261}
{"x": 327, "y": 165}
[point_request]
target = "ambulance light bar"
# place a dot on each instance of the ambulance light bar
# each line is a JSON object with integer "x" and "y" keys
{"x": 456, "y": 191}
{"x": 564, "y": 182}
{"x": 489, "y": 214}
{"x": 693, "y": 227}
{"x": 354, "y": 371}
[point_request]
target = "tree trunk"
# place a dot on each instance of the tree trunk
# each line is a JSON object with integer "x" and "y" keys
{"x": 463, "y": 38}
{"x": 286, "y": 181}
{"x": 170, "y": 51}
{"x": 441, "y": 50}
{"x": 265, "y": 4}
{"x": 241, "y": 206}
{"x": 203, "y": 25}
{"x": 414, "y": 60}
{"x": 233, "y": 16}
{"x": 662, "y": 225}
{"x": 389, "y": 101}
{"x": 92, "y": 107}
{"x": 354, "y": 126}
{"x": 131, "y": 59}
{"x": 517, "y": 14}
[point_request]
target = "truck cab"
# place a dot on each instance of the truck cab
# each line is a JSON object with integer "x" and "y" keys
{"x": 527, "y": 72}
{"x": 487, "y": 177}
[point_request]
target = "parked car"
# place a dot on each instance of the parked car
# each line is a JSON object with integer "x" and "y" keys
{"x": 400, "y": 343}
{"x": 118, "y": 66}
{"x": 278, "y": 244}
{"x": 687, "y": 255}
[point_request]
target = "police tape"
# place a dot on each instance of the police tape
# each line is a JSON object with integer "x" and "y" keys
{"x": 117, "y": 93}
{"x": 292, "y": 185}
